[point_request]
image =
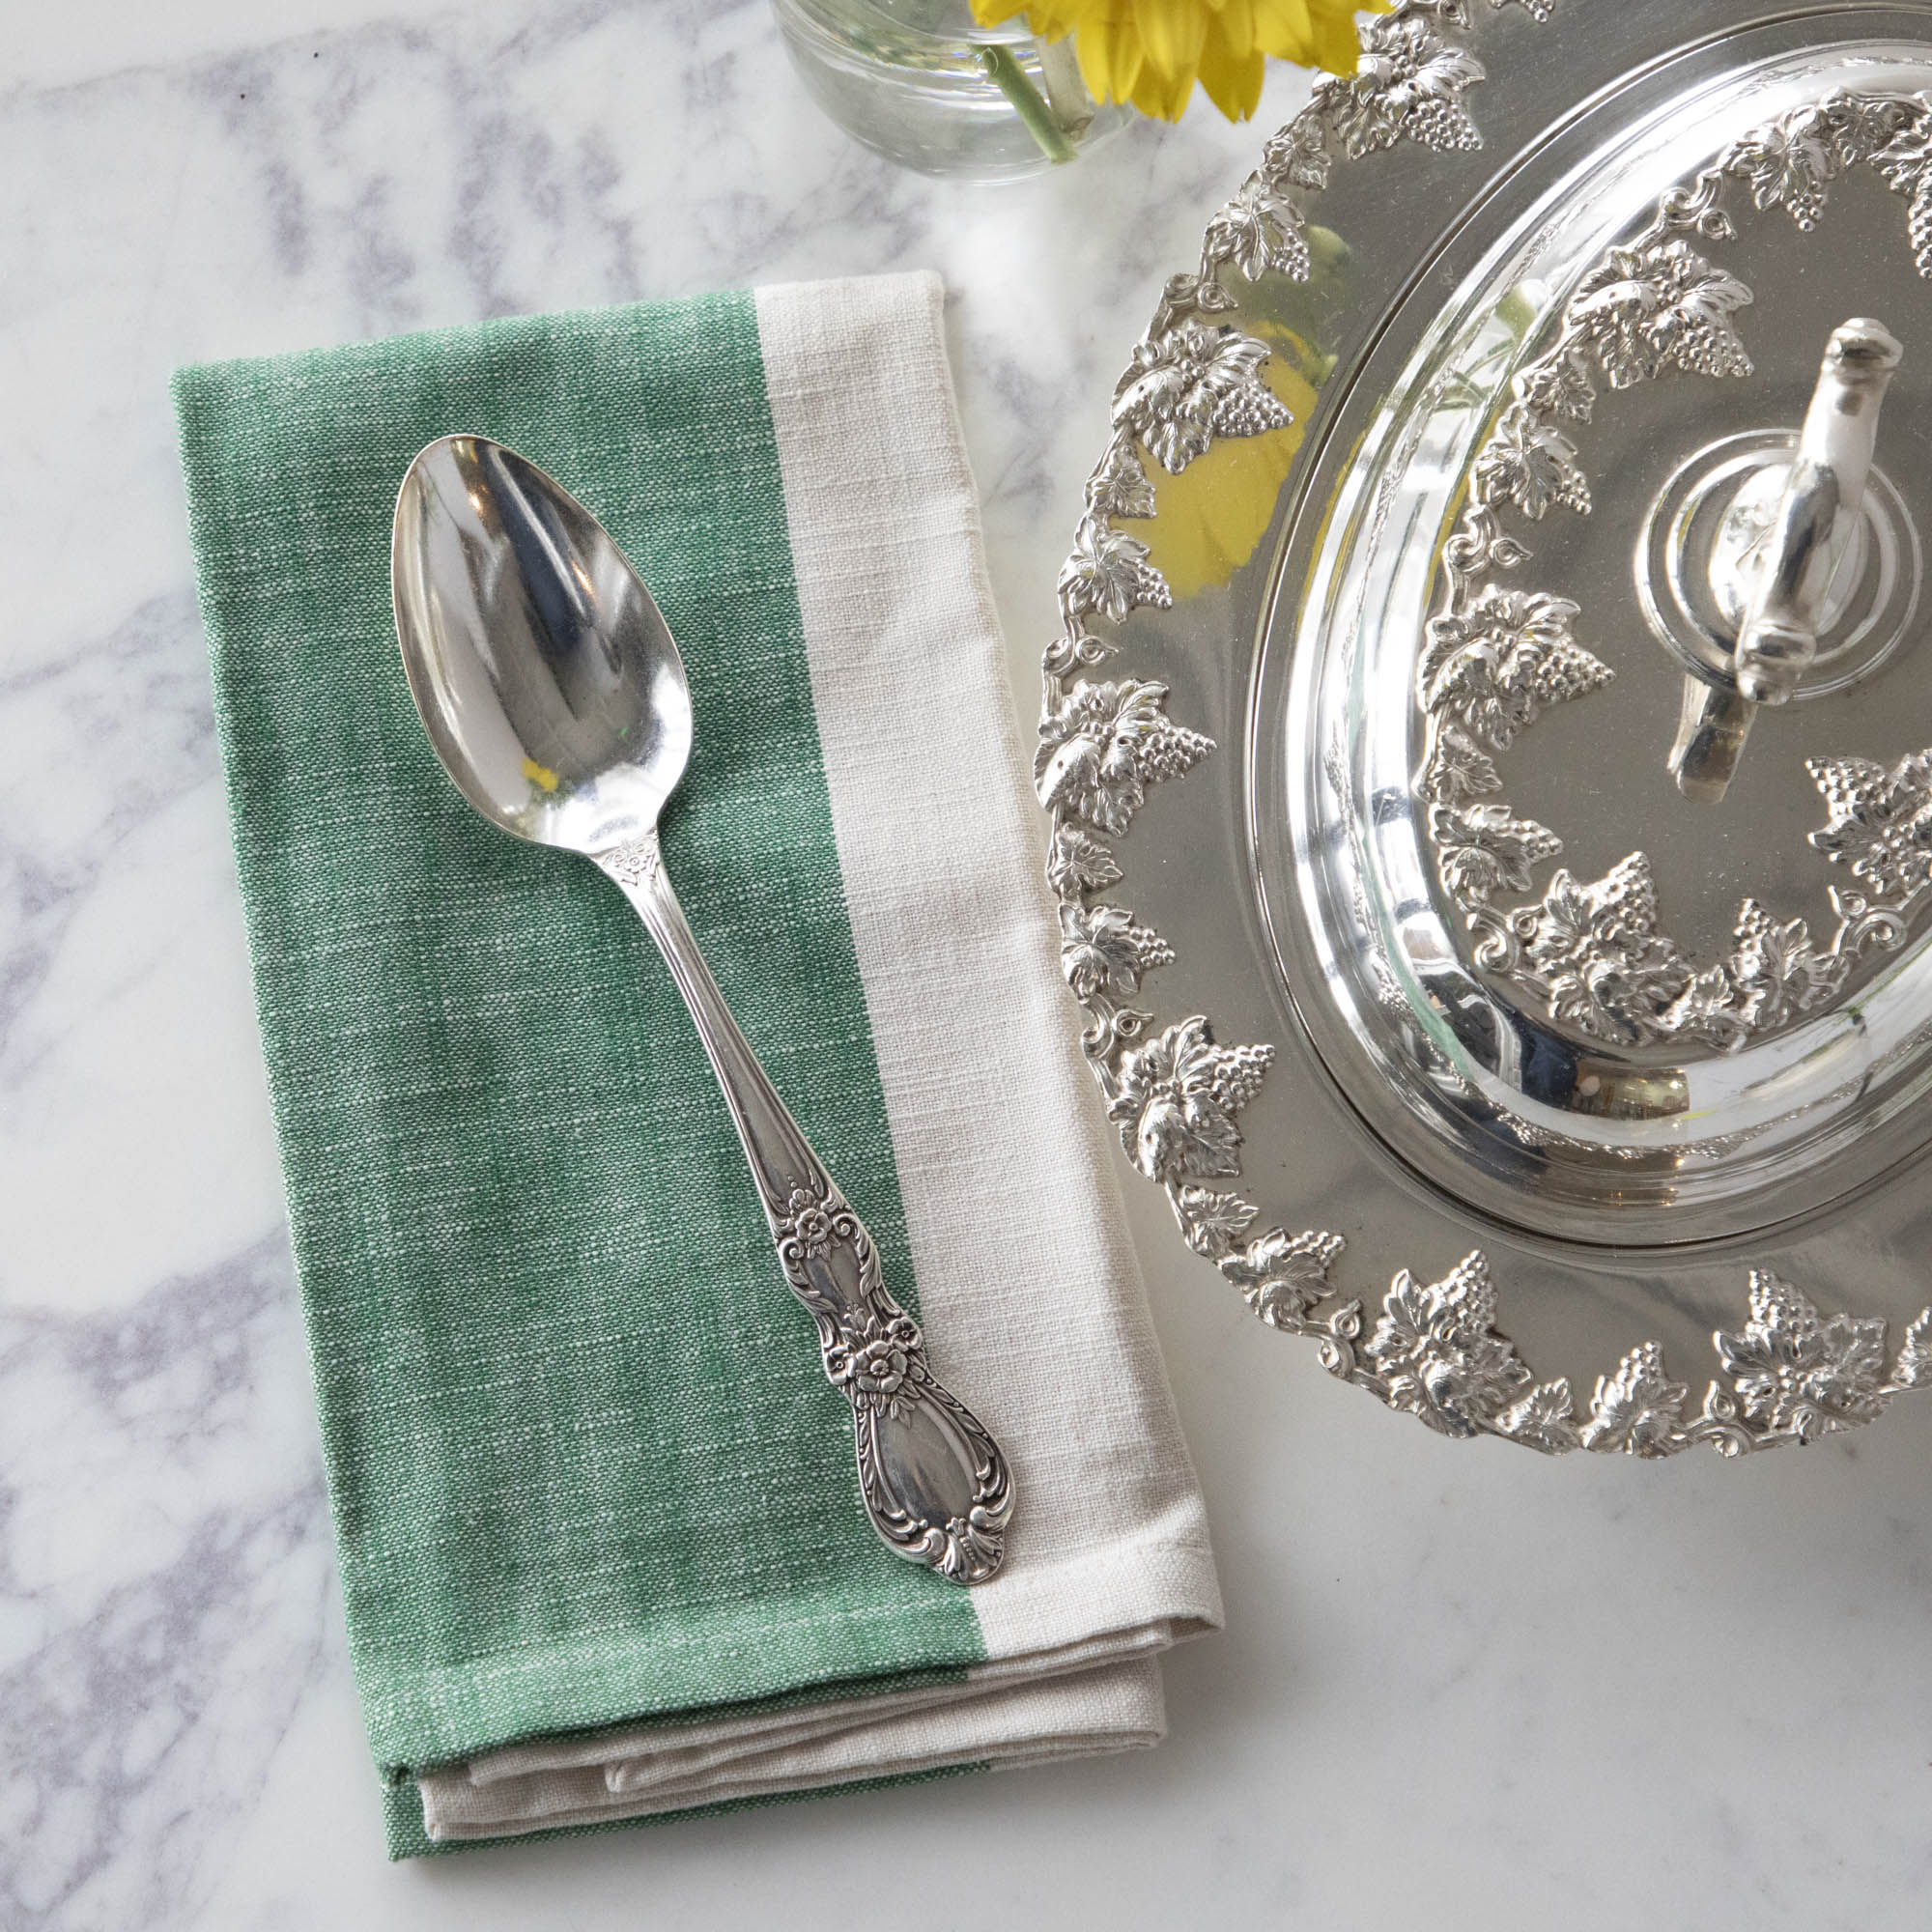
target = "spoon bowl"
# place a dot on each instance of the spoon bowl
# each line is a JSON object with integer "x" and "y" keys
{"x": 542, "y": 668}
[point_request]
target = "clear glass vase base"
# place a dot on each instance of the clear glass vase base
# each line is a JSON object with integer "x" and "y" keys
{"x": 919, "y": 82}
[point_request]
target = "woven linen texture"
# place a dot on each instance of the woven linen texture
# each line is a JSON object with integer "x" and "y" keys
{"x": 1006, "y": 1162}
{"x": 584, "y": 1464}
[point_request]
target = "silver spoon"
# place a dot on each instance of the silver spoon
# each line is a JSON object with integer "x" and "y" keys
{"x": 549, "y": 686}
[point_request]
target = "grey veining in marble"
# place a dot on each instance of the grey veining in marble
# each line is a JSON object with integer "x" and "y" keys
{"x": 1454, "y": 1690}
{"x": 164, "y": 1585}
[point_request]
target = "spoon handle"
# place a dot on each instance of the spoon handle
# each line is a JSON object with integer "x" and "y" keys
{"x": 934, "y": 1481}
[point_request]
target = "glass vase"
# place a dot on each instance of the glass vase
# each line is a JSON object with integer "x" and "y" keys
{"x": 922, "y": 83}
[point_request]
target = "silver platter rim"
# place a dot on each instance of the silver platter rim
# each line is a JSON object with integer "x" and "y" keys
{"x": 1812, "y": 1322}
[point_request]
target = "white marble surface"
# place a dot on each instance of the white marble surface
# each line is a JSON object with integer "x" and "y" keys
{"x": 1460, "y": 1686}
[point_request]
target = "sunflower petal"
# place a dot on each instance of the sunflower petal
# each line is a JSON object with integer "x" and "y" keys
{"x": 1172, "y": 32}
{"x": 1338, "y": 46}
{"x": 1150, "y": 52}
{"x": 1232, "y": 80}
{"x": 1162, "y": 97}
{"x": 1236, "y": 22}
{"x": 1109, "y": 54}
{"x": 1054, "y": 19}
{"x": 993, "y": 13}
{"x": 1283, "y": 28}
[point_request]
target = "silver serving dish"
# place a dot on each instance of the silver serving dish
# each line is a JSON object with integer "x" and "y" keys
{"x": 1489, "y": 749}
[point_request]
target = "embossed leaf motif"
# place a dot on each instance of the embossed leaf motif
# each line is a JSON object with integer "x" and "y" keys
{"x": 1639, "y": 1410}
{"x": 1906, "y": 163}
{"x": 1485, "y": 850}
{"x": 1596, "y": 949}
{"x": 1532, "y": 466}
{"x": 1102, "y": 950}
{"x": 1409, "y": 86}
{"x": 1799, "y": 1372}
{"x": 1176, "y": 1098}
{"x": 1104, "y": 745}
{"x": 1664, "y": 306}
{"x": 1914, "y": 1368}
{"x": 1860, "y": 126}
{"x": 1788, "y": 165}
{"x": 1281, "y": 1275}
{"x": 1076, "y": 863}
{"x": 1211, "y": 1222}
{"x": 1498, "y": 664}
{"x": 1545, "y": 1419}
{"x": 1437, "y": 1346}
{"x": 1296, "y": 157}
{"x": 1558, "y": 386}
{"x": 1119, "y": 486}
{"x": 1261, "y": 230}
{"x": 1878, "y": 822}
{"x": 1193, "y": 382}
{"x": 1461, "y": 768}
{"x": 1108, "y": 574}
{"x": 1776, "y": 971}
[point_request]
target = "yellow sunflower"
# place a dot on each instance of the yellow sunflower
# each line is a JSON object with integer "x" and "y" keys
{"x": 1150, "y": 52}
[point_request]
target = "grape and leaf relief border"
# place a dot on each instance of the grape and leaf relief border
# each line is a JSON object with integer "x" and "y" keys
{"x": 1495, "y": 659}
{"x": 1791, "y": 1373}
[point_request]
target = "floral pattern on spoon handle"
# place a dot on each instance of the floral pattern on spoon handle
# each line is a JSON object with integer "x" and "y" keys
{"x": 935, "y": 1483}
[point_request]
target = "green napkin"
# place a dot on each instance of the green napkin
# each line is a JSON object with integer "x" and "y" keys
{"x": 584, "y": 1466}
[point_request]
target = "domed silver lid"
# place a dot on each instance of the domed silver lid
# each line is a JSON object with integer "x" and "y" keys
{"x": 1593, "y": 791}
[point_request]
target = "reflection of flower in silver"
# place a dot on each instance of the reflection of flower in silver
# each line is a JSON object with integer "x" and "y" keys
{"x": 809, "y": 1223}
{"x": 1437, "y": 1344}
{"x": 1104, "y": 745}
{"x": 1639, "y": 1410}
{"x": 1498, "y": 664}
{"x": 1879, "y": 822}
{"x": 875, "y": 1360}
{"x": 1177, "y": 1100}
{"x": 1191, "y": 383}
{"x": 1799, "y": 1373}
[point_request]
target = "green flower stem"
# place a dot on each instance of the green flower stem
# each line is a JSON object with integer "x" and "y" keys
{"x": 1010, "y": 78}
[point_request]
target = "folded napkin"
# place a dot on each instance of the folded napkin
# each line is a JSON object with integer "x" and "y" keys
{"x": 601, "y": 1540}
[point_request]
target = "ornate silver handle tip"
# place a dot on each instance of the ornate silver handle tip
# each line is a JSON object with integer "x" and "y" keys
{"x": 1811, "y": 536}
{"x": 1818, "y": 512}
{"x": 934, "y": 1481}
